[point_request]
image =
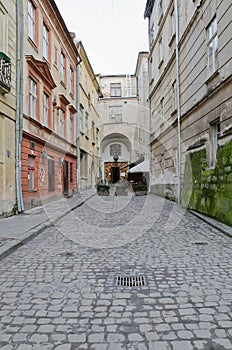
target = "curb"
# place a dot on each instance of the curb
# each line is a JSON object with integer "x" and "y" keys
{"x": 13, "y": 244}
{"x": 223, "y": 228}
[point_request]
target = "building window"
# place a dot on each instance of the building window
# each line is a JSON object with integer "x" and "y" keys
{"x": 173, "y": 22}
{"x": 31, "y": 173}
{"x": 115, "y": 149}
{"x": 71, "y": 172}
{"x": 86, "y": 123}
{"x": 4, "y": 28}
{"x": 81, "y": 119}
{"x": 55, "y": 55}
{"x": 83, "y": 164}
{"x": 32, "y": 98}
{"x": 31, "y": 20}
{"x": 174, "y": 94}
{"x": 115, "y": 114}
{"x": 62, "y": 119}
{"x": 161, "y": 9}
{"x": 214, "y": 136}
{"x": 51, "y": 175}
{"x": 62, "y": 67}
{"x": 97, "y": 136}
{"x": 71, "y": 130}
{"x": 212, "y": 47}
{"x": 160, "y": 52}
{"x": 71, "y": 81}
{"x": 86, "y": 83}
{"x": 93, "y": 132}
{"x": 162, "y": 107}
{"x": 45, "y": 42}
{"x": 115, "y": 90}
{"x": 45, "y": 109}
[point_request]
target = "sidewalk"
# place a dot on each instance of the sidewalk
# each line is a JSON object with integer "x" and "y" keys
{"x": 18, "y": 229}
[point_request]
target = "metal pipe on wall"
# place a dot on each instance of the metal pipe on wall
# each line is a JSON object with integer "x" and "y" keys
{"x": 78, "y": 120}
{"x": 178, "y": 105}
{"x": 19, "y": 101}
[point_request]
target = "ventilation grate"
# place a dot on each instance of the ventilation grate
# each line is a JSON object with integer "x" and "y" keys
{"x": 130, "y": 281}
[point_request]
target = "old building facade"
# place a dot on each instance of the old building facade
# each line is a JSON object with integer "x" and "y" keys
{"x": 8, "y": 10}
{"x": 190, "y": 69}
{"x": 142, "y": 78}
{"x": 88, "y": 122}
{"x": 118, "y": 109}
{"x": 49, "y": 152}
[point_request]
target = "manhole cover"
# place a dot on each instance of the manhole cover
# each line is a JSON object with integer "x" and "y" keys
{"x": 130, "y": 281}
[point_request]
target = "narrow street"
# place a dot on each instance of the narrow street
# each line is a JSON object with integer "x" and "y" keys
{"x": 65, "y": 289}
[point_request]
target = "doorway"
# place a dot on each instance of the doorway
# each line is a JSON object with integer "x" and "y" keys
{"x": 115, "y": 174}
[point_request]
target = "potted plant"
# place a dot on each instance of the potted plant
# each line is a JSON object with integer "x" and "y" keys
{"x": 140, "y": 189}
{"x": 121, "y": 188}
{"x": 103, "y": 190}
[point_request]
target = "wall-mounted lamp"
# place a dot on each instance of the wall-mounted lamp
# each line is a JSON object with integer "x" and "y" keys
{"x": 115, "y": 157}
{"x": 61, "y": 160}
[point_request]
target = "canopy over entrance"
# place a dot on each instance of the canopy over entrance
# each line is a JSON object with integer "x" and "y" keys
{"x": 143, "y": 167}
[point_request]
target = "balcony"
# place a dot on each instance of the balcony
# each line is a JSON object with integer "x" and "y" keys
{"x": 5, "y": 73}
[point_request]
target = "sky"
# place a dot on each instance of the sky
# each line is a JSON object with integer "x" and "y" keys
{"x": 113, "y": 32}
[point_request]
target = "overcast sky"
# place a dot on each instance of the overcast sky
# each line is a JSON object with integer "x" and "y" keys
{"x": 113, "y": 32}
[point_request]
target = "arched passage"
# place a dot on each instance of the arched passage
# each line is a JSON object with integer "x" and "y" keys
{"x": 115, "y": 154}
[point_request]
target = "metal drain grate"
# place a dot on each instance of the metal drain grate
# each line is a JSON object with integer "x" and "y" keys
{"x": 130, "y": 281}
{"x": 200, "y": 243}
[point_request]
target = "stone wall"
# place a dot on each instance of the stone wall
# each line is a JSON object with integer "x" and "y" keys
{"x": 209, "y": 191}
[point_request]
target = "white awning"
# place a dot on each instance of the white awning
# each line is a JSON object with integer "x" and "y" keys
{"x": 143, "y": 167}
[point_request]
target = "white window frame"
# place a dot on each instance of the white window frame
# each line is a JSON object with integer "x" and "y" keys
{"x": 45, "y": 41}
{"x": 86, "y": 123}
{"x": 71, "y": 127}
{"x": 115, "y": 90}
{"x": 212, "y": 44}
{"x": 71, "y": 79}
{"x": 93, "y": 132}
{"x": 45, "y": 108}
{"x": 32, "y": 98}
{"x": 81, "y": 118}
{"x": 31, "y": 20}
{"x": 31, "y": 173}
{"x": 62, "y": 67}
{"x": 61, "y": 122}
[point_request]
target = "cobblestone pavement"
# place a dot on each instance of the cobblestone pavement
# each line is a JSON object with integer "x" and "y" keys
{"x": 59, "y": 291}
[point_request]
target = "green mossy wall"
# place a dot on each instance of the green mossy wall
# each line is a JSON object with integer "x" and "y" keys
{"x": 209, "y": 191}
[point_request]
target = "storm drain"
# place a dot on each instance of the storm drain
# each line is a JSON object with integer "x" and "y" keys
{"x": 130, "y": 281}
{"x": 200, "y": 243}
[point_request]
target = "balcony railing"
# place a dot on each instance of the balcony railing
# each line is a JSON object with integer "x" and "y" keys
{"x": 5, "y": 73}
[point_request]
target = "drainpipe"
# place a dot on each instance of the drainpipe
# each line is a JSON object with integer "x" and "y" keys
{"x": 78, "y": 120}
{"x": 19, "y": 102}
{"x": 178, "y": 107}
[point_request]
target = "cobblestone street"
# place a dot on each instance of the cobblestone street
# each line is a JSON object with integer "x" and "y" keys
{"x": 60, "y": 291}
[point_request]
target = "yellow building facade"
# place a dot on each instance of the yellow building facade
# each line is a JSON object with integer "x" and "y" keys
{"x": 7, "y": 106}
{"x": 88, "y": 122}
